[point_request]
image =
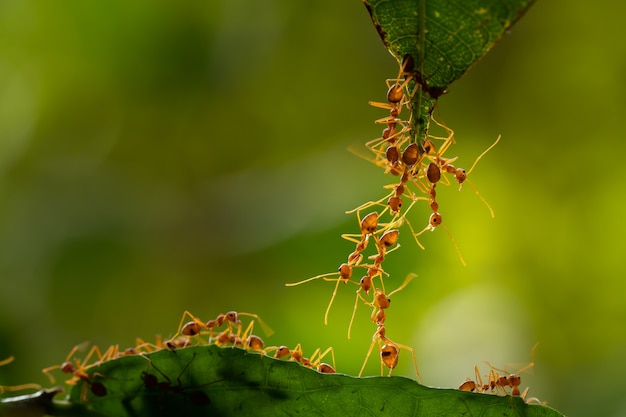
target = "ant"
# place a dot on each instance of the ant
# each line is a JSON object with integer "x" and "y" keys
{"x": 74, "y": 368}
{"x": 151, "y": 382}
{"x": 389, "y": 352}
{"x": 380, "y": 303}
{"x": 247, "y": 340}
{"x": 141, "y": 346}
{"x": 5, "y": 388}
{"x": 195, "y": 326}
{"x": 396, "y": 99}
{"x": 513, "y": 380}
{"x": 344, "y": 271}
{"x": 78, "y": 371}
{"x": 461, "y": 176}
{"x": 435, "y": 220}
{"x": 387, "y": 240}
{"x": 368, "y": 226}
{"x": 499, "y": 383}
{"x": 441, "y": 165}
{"x": 314, "y": 362}
{"x": 394, "y": 204}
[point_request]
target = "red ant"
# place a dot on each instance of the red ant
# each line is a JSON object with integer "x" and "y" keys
{"x": 497, "y": 382}
{"x": 314, "y": 362}
{"x": 380, "y": 303}
{"x": 78, "y": 371}
{"x": 389, "y": 352}
{"x": 368, "y": 226}
{"x": 396, "y": 99}
{"x": 441, "y": 165}
{"x": 247, "y": 340}
{"x": 195, "y": 326}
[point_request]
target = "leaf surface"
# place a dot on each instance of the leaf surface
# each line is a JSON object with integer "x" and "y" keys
{"x": 209, "y": 380}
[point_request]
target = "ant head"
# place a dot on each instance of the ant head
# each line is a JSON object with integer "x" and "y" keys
{"x": 395, "y": 204}
{"x": 460, "y": 175}
{"x": 68, "y": 367}
{"x": 435, "y": 220}
{"x": 366, "y": 283}
{"x": 345, "y": 271}
{"x": 130, "y": 351}
{"x": 233, "y": 317}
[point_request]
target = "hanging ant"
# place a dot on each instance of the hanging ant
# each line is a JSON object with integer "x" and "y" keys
{"x": 389, "y": 352}
{"x": 380, "y": 302}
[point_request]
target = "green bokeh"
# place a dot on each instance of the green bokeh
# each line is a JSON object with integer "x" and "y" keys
{"x": 156, "y": 158}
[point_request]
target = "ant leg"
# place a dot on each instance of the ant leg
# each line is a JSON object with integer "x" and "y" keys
{"x": 447, "y": 141}
{"x": 356, "y": 303}
{"x": 410, "y": 349}
{"x": 491, "y": 212}
{"x": 7, "y": 360}
{"x": 332, "y": 354}
{"x": 4, "y": 388}
{"x": 267, "y": 330}
{"x": 47, "y": 370}
{"x": 483, "y": 154}
{"x": 293, "y": 284}
{"x": 434, "y": 222}
{"x": 21, "y": 387}
{"x": 112, "y": 350}
{"x": 408, "y": 279}
{"x": 331, "y": 300}
{"x": 197, "y": 323}
{"x": 369, "y": 352}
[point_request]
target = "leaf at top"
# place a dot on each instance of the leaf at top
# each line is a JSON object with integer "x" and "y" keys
{"x": 443, "y": 37}
{"x": 208, "y": 380}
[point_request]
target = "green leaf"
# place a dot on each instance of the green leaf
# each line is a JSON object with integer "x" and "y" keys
{"x": 209, "y": 380}
{"x": 444, "y": 38}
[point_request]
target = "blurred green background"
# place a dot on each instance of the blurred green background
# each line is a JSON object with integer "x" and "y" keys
{"x": 157, "y": 157}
